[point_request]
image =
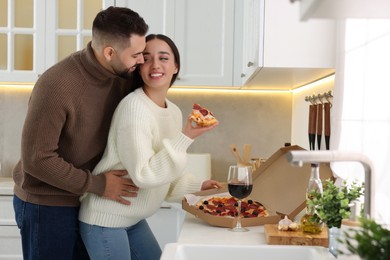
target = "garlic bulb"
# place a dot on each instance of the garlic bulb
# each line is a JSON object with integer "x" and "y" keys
{"x": 293, "y": 226}
{"x": 286, "y": 224}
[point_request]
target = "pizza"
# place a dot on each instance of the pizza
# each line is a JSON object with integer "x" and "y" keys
{"x": 227, "y": 207}
{"x": 202, "y": 116}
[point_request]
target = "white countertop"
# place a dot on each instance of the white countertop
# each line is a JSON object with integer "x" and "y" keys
{"x": 220, "y": 243}
{"x": 197, "y": 231}
{"x": 6, "y": 186}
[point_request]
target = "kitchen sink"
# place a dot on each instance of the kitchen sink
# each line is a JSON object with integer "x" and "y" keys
{"x": 177, "y": 251}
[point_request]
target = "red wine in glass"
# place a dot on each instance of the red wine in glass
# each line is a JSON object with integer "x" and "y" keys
{"x": 240, "y": 191}
{"x": 239, "y": 186}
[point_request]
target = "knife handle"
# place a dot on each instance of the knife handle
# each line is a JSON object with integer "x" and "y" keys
{"x": 327, "y": 119}
{"x": 312, "y": 119}
{"x": 319, "y": 119}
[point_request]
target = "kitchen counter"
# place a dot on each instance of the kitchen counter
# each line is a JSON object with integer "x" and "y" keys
{"x": 198, "y": 237}
{"x": 6, "y": 186}
{"x": 197, "y": 231}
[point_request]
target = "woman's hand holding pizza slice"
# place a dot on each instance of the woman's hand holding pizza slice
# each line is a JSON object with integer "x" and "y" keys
{"x": 202, "y": 116}
{"x": 204, "y": 121}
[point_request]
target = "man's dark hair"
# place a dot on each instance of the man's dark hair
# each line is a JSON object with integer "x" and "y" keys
{"x": 116, "y": 25}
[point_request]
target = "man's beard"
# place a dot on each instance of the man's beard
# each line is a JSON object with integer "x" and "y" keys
{"x": 125, "y": 73}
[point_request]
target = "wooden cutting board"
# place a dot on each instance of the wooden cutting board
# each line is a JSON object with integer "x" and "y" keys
{"x": 276, "y": 237}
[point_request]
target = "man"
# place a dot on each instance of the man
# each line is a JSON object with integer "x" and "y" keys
{"x": 65, "y": 134}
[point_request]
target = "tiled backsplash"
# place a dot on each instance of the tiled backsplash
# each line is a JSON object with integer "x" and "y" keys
{"x": 260, "y": 119}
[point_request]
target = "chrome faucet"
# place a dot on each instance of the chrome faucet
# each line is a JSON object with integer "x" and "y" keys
{"x": 297, "y": 158}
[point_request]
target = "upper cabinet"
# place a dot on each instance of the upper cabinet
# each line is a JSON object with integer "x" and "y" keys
{"x": 336, "y": 9}
{"x": 204, "y": 35}
{"x": 159, "y": 15}
{"x": 36, "y": 34}
{"x": 292, "y": 52}
{"x": 218, "y": 40}
{"x": 22, "y": 29}
{"x": 291, "y": 43}
{"x": 248, "y": 29}
{"x": 203, "y": 31}
{"x": 257, "y": 44}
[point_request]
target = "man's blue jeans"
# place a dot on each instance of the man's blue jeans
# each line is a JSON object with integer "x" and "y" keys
{"x": 136, "y": 242}
{"x": 49, "y": 232}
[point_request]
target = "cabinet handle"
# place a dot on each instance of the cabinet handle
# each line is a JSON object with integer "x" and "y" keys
{"x": 250, "y": 64}
{"x": 243, "y": 75}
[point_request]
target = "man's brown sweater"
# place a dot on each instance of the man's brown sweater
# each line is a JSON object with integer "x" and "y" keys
{"x": 65, "y": 131}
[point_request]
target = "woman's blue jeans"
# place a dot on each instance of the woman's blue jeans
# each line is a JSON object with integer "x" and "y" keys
{"x": 136, "y": 242}
{"x": 49, "y": 232}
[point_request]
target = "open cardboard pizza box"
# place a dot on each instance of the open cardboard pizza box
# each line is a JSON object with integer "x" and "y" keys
{"x": 279, "y": 186}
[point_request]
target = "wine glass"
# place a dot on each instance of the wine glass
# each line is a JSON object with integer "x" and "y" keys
{"x": 240, "y": 186}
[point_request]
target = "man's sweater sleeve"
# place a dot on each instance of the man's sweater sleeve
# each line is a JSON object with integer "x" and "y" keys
{"x": 45, "y": 120}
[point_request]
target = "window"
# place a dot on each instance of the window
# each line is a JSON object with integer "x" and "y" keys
{"x": 361, "y": 115}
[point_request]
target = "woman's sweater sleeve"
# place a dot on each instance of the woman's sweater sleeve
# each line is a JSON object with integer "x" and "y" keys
{"x": 150, "y": 161}
{"x": 188, "y": 183}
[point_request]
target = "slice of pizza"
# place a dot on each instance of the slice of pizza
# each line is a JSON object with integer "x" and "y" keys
{"x": 202, "y": 116}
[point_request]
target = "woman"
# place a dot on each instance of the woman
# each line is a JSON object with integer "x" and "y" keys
{"x": 146, "y": 138}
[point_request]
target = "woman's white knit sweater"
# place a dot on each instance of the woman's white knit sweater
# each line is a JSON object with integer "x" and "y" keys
{"x": 148, "y": 142}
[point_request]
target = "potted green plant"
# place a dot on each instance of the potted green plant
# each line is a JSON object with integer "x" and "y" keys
{"x": 370, "y": 242}
{"x": 332, "y": 206}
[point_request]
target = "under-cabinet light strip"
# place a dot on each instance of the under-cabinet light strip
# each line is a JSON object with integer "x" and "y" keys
{"x": 316, "y": 83}
{"x": 19, "y": 86}
{"x": 227, "y": 90}
{"x": 203, "y": 89}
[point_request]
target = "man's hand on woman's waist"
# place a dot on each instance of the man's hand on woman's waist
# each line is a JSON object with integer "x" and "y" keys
{"x": 118, "y": 187}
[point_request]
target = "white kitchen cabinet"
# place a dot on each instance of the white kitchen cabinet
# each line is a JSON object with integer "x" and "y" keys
{"x": 159, "y": 22}
{"x": 292, "y": 52}
{"x": 248, "y": 29}
{"x": 251, "y": 43}
{"x": 291, "y": 43}
{"x": 336, "y": 9}
{"x": 36, "y": 34}
{"x": 22, "y": 40}
{"x": 209, "y": 35}
{"x": 202, "y": 30}
{"x": 10, "y": 243}
{"x": 204, "y": 34}
{"x": 166, "y": 223}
